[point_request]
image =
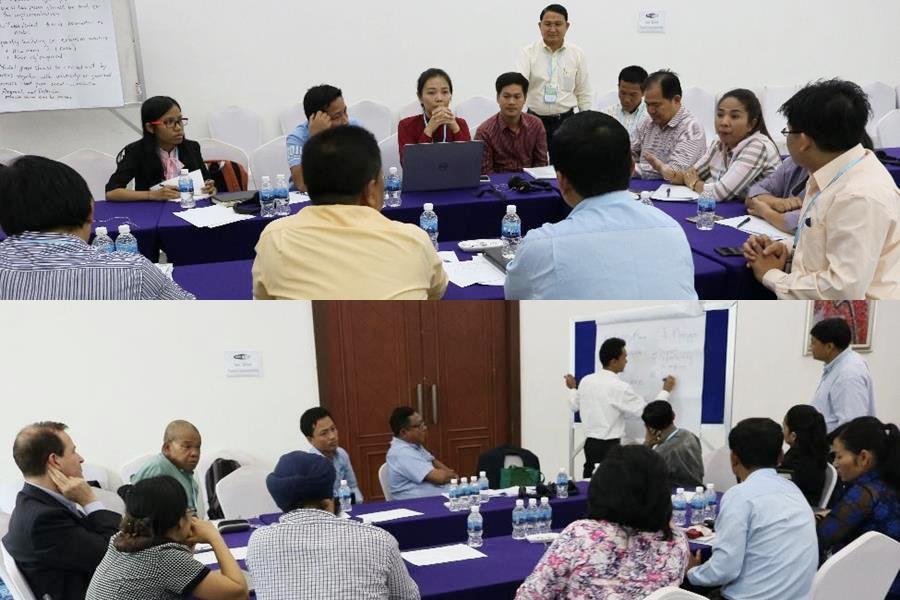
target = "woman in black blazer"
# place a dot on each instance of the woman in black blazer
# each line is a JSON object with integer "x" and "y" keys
{"x": 158, "y": 156}
{"x": 804, "y": 432}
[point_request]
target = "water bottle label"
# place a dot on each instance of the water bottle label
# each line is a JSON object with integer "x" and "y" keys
{"x": 511, "y": 230}
{"x": 706, "y": 205}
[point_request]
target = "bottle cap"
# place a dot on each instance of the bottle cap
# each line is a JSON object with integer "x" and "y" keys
{"x": 562, "y": 470}
{"x": 545, "y": 500}
{"x": 520, "y": 502}
{"x": 101, "y": 231}
{"x": 464, "y": 479}
{"x": 454, "y": 481}
{"x": 266, "y": 178}
{"x": 474, "y": 508}
{"x": 343, "y": 482}
{"x": 124, "y": 229}
{"x": 392, "y": 170}
{"x": 679, "y": 490}
{"x": 185, "y": 172}
{"x": 482, "y": 474}
{"x": 710, "y": 486}
{"x": 532, "y": 502}
{"x": 510, "y": 209}
{"x": 428, "y": 206}
{"x": 698, "y": 489}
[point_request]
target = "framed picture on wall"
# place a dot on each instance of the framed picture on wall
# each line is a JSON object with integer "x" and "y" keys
{"x": 859, "y": 314}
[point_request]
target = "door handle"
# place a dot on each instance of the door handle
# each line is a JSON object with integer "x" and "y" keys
{"x": 419, "y": 397}
{"x": 434, "y": 404}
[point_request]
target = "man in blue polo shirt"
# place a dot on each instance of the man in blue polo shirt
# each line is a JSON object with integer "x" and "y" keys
{"x": 324, "y": 108}
{"x": 413, "y": 472}
{"x": 322, "y": 434}
{"x": 609, "y": 247}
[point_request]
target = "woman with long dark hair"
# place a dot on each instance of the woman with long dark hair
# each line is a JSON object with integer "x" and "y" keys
{"x": 158, "y": 156}
{"x": 804, "y": 431}
{"x": 436, "y": 123}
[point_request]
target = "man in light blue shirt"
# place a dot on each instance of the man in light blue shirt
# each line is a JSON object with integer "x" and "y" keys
{"x": 322, "y": 434}
{"x": 766, "y": 545}
{"x": 845, "y": 391}
{"x": 324, "y": 108}
{"x": 609, "y": 247}
{"x": 413, "y": 472}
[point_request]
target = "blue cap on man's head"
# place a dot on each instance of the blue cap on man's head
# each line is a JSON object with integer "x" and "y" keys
{"x": 300, "y": 477}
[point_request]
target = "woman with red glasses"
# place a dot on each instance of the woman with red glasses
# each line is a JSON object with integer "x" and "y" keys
{"x": 158, "y": 156}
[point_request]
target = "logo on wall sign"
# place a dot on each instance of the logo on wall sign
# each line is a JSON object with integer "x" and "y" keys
{"x": 241, "y": 356}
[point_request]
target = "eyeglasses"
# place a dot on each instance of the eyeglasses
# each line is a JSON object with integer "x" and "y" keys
{"x": 786, "y": 132}
{"x": 421, "y": 425}
{"x": 171, "y": 123}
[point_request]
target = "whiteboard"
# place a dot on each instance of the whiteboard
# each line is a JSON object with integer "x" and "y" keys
{"x": 68, "y": 54}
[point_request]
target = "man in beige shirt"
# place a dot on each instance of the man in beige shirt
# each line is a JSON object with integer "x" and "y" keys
{"x": 342, "y": 247}
{"x": 847, "y": 243}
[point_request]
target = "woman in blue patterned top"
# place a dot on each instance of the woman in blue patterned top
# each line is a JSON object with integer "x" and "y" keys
{"x": 867, "y": 459}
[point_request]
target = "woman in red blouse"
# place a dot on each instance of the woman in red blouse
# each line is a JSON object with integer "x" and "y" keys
{"x": 437, "y": 123}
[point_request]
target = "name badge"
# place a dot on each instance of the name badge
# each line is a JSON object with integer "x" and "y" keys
{"x": 550, "y": 93}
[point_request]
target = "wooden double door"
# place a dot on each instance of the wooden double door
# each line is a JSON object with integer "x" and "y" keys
{"x": 457, "y": 363}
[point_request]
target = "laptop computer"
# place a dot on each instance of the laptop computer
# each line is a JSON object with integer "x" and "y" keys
{"x": 442, "y": 166}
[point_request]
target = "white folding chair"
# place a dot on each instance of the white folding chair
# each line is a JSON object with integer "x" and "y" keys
{"x": 243, "y": 494}
{"x": 672, "y": 593}
{"x": 772, "y": 99}
{"x": 290, "y": 117}
{"x": 105, "y": 477}
{"x": 717, "y": 469}
{"x": 377, "y": 118}
{"x": 831, "y": 477}
{"x": 14, "y": 579}
{"x": 94, "y": 166}
{"x": 133, "y": 466}
{"x": 7, "y": 155}
{"x": 236, "y": 126}
{"x": 390, "y": 154}
{"x": 110, "y": 501}
{"x": 606, "y": 99}
{"x": 703, "y": 105}
{"x": 413, "y": 108}
{"x": 269, "y": 159}
{"x": 213, "y": 149}
{"x": 8, "y": 492}
{"x": 882, "y": 99}
{"x": 385, "y": 482}
{"x": 888, "y": 129}
{"x": 864, "y": 570}
{"x": 208, "y": 458}
{"x": 476, "y": 111}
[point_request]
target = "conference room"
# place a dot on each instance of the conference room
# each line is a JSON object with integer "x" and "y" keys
{"x": 304, "y": 395}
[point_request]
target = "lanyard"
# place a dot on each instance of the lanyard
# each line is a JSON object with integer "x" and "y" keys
{"x": 425, "y": 120}
{"x": 812, "y": 200}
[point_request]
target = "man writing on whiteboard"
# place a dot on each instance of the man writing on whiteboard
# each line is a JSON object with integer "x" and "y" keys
{"x": 605, "y": 400}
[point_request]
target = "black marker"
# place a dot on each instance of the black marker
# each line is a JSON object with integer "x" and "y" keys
{"x": 744, "y": 222}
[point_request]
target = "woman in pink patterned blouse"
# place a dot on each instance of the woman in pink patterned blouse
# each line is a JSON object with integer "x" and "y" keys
{"x": 626, "y": 548}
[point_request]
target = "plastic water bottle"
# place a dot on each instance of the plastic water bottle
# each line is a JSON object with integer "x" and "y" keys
{"x": 282, "y": 197}
{"x": 186, "y": 189}
{"x": 392, "y": 185}
{"x": 429, "y": 222}
{"x": 698, "y": 505}
{"x": 645, "y": 198}
{"x": 475, "y": 525}
{"x": 531, "y": 517}
{"x": 510, "y": 232}
{"x": 102, "y": 241}
{"x": 125, "y": 241}
{"x": 464, "y": 493}
{"x": 474, "y": 490}
{"x": 679, "y": 508}
{"x": 266, "y": 198}
{"x": 706, "y": 210}
{"x": 344, "y": 497}
{"x": 453, "y": 494}
{"x": 546, "y": 515}
{"x": 518, "y": 520}
{"x": 483, "y": 487}
{"x": 562, "y": 484}
{"x": 712, "y": 502}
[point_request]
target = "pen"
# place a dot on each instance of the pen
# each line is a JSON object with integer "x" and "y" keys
{"x": 668, "y": 192}
{"x": 744, "y": 222}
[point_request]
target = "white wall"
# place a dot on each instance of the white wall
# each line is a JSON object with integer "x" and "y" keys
{"x": 771, "y": 373}
{"x": 64, "y": 362}
{"x": 210, "y": 53}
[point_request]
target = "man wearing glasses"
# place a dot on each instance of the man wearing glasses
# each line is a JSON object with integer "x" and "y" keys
{"x": 413, "y": 472}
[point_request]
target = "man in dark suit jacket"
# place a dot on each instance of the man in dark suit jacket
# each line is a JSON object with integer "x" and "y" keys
{"x": 58, "y": 531}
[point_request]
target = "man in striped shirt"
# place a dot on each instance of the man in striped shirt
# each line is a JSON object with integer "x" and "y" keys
{"x": 47, "y": 210}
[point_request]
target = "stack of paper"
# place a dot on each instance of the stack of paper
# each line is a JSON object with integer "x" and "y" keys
{"x": 448, "y": 256}
{"x": 755, "y": 225}
{"x": 211, "y": 216}
{"x": 542, "y": 172}
{"x": 478, "y": 270}
{"x": 196, "y": 177}
{"x": 441, "y": 554}
{"x": 674, "y": 193}
{"x": 387, "y": 515}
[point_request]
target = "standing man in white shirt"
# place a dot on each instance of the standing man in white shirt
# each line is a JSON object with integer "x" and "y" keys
{"x": 556, "y": 71}
{"x": 605, "y": 400}
{"x": 630, "y": 110}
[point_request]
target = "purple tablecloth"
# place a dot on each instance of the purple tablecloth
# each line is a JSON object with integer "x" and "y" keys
{"x": 894, "y": 170}
{"x": 142, "y": 217}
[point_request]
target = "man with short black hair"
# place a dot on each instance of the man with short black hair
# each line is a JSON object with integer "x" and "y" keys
{"x": 679, "y": 447}
{"x": 322, "y": 434}
{"x": 310, "y": 553}
{"x": 47, "y": 210}
{"x": 672, "y": 136}
{"x": 342, "y": 247}
{"x": 630, "y": 111}
{"x": 766, "y": 545}
{"x": 513, "y": 140}
{"x": 58, "y": 531}
{"x": 604, "y": 401}
{"x": 178, "y": 458}
{"x": 609, "y": 247}
{"x": 324, "y": 108}
{"x": 557, "y": 72}
{"x": 847, "y": 242}
{"x": 845, "y": 391}
{"x": 413, "y": 472}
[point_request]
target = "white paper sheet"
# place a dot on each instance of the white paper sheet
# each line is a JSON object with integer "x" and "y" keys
{"x": 478, "y": 270}
{"x": 677, "y": 193}
{"x": 196, "y": 177}
{"x": 387, "y": 515}
{"x": 542, "y": 172}
{"x": 754, "y": 225}
{"x": 298, "y": 198}
{"x": 441, "y": 555}
{"x": 448, "y": 256}
{"x": 211, "y": 216}
{"x": 209, "y": 558}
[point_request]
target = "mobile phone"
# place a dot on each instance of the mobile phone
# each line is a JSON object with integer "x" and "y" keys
{"x": 729, "y": 251}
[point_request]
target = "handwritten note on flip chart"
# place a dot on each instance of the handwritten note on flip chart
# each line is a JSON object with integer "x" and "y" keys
{"x": 58, "y": 54}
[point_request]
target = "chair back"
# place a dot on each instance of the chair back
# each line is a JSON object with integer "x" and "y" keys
{"x": 290, "y": 117}
{"x": 133, "y": 466}
{"x": 375, "y": 117}
{"x": 831, "y": 477}
{"x": 390, "y": 154}
{"x": 95, "y": 167}
{"x": 14, "y": 579}
{"x": 243, "y": 494}
{"x": 385, "y": 483}
{"x": 237, "y": 126}
{"x": 772, "y": 99}
{"x": 476, "y": 111}
{"x": 863, "y": 570}
{"x": 882, "y": 100}
{"x": 606, "y": 99}
{"x": 269, "y": 159}
{"x": 672, "y": 593}
{"x": 703, "y": 106}
{"x": 717, "y": 469}
{"x": 7, "y": 155}
{"x": 888, "y": 129}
